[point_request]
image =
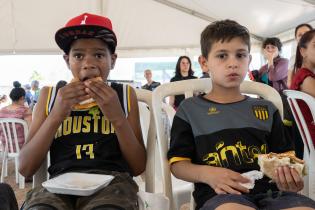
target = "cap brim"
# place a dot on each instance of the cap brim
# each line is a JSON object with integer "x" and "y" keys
{"x": 65, "y": 36}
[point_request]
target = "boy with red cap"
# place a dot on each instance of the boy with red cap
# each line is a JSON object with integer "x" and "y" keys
{"x": 104, "y": 139}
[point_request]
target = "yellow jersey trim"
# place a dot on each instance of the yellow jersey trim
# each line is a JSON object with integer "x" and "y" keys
{"x": 176, "y": 159}
{"x": 288, "y": 123}
{"x": 48, "y": 99}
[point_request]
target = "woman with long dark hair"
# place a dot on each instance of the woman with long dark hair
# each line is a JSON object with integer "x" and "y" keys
{"x": 298, "y": 33}
{"x": 304, "y": 75}
{"x": 183, "y": 71}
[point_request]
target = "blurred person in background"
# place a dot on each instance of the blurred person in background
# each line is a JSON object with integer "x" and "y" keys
{"x": 28, "y": 95}
{"x": 151, "y": 85}
{"x": 299, "y": 31}
{"x": 275, "y": 72}
{"x": 304, "y": 75}
{"x": 183, "y": 71}
{"x": 17, "y": 109}
{"x": 3, "y": 99}
{"x": 35, "y": 90}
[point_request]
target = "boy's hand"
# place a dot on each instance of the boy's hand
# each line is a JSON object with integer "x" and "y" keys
{"x": 67, "y": 97}
{"x": 107, "y": 100}
{"x": 288, "y": 179}
{"x": 225, "y": 181}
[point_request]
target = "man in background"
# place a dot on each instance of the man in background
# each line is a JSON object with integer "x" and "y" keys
{"x": 28, "y": 94}
{"x": 35, "y": 90}
{"x": 151, "y": 85}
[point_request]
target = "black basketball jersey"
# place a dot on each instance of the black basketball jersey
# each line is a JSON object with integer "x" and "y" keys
{"x": 86, "y": 140}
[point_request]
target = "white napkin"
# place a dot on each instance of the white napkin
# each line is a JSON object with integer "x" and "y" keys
{"x": 252, "y": 176}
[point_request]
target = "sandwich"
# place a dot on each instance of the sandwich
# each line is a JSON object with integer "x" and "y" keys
{"x": 270, "y": 162}
{"x": 88, "y": 103}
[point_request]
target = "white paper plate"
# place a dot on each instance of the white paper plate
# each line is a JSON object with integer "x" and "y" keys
{"x": 81, "y": 184}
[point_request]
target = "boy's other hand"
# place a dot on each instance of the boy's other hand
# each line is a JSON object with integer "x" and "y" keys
{"x": 225, "y": 181}
{"x": 288, "y": 179}
{"x": 67, "y": 97}
{"x": 107, "y": 100}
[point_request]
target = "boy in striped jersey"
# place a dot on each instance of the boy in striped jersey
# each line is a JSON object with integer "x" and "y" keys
{"x": 217, "y": 136}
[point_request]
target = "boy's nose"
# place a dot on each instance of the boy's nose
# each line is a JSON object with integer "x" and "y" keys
{"x": 88, "y": 62}
{"x": 88, "y": 70}
{"x": 233, "y": 63}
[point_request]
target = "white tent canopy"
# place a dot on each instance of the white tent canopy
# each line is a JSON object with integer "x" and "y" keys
{"x": 146, "y": 27}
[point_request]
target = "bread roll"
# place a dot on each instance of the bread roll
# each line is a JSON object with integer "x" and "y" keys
{"x": 88, "y": 103}
{"x": 270, "y": 162}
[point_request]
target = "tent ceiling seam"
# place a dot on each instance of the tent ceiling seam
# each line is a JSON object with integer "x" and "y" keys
{"x": 197, "y": 14}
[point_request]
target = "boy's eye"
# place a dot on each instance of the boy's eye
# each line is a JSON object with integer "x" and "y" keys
{"x": 221, "y": 56}
{"x": 77, "y": 56}
{"x": 99, "y": 55}
{"x": 241, "y": 55}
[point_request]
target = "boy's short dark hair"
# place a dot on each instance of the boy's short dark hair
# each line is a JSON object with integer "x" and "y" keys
{"x": 223, "y": 30}
{"x": 273, "y": 41}
{"x": 86, "y": 26}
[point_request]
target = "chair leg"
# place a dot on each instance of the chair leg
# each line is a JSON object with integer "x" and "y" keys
{"x": 16, "y": 169}
{"x": 305, "y": 190}
{"x": 21, "y": 181}
{"x": 6, "y": 166}
{"x": 311, "y": 184}
{"x": 2, "y": 170}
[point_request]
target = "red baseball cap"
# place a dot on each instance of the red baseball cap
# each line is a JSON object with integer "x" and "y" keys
{"x": 86, "y": 26}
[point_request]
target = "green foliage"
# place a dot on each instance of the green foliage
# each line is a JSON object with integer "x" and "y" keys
{"x": 36, "y": 76}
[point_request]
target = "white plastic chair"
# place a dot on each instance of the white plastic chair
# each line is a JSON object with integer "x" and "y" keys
{"x": 149, "y": 135}
{"x": 188, "y": 87}
{"x": 8, "y": 128}
{"x": 309, "y": 151}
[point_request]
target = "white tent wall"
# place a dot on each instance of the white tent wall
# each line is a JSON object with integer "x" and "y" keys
{"x": 32, "y": 24}
{"x": 144, "y": 27}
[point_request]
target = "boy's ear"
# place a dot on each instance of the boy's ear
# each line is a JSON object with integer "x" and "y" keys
{"x": 203, "y": 62}
{"x": 113, "y": 60}
{"x": 66, "y": 58}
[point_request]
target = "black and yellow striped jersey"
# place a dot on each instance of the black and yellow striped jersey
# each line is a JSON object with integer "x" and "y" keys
{"x": 86, "y": 139}
{"x": 226, "y": 135}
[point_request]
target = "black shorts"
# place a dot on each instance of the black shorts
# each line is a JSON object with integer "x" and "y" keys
{"x": 120, "y": 193}
{"x": 263, "y": 201}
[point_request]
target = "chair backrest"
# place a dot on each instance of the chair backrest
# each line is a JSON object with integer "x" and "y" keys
{"x": 149, "y": 135}
{"x": 188, "y": 87}
{"x": 8, "y": 131}
{"x": 309, "y": 152}
{"x": 292, "y": 97}
{"x": 145, "y": 96}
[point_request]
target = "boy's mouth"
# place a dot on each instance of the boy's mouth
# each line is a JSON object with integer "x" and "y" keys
{"x": 90, "y": 78}
{"x": 233, "y": 75}
{"x": 84, "y": 79}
